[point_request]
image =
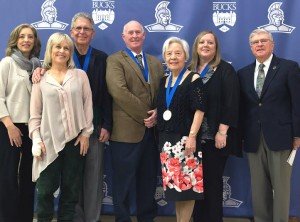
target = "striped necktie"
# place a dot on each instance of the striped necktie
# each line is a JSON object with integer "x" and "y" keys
{"x": 140, "y": 60}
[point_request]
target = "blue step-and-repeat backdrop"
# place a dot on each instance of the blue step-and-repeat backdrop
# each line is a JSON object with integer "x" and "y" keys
{"x": 232, "y": 21}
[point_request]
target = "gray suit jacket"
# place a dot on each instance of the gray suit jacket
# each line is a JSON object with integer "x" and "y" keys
{"x": 132, "y": 96}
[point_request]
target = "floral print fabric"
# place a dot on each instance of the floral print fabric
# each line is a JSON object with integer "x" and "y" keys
{"x": 181, "y": 172}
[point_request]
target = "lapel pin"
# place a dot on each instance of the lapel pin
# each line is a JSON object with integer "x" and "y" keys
{"x": 274, "y": 67}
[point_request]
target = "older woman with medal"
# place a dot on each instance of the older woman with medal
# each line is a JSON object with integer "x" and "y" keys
{"x": 181, "y": 106}
{"x": 219, "y": 128}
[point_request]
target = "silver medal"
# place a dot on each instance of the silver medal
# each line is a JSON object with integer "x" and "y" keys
{"x": 167, "y": 115}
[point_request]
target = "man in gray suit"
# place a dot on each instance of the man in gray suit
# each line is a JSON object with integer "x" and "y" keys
{"x": 132, "y": 79}
{"x": 270, "y": 116}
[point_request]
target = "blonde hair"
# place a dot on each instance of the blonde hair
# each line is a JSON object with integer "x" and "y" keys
{"x": 57, "y": 38}
{"x": 13, "y": 41}
{"x": 195, "y": 57}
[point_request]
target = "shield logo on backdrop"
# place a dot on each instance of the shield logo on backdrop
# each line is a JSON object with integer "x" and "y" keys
{"x": 103, "y": 13}
{"x": 224, "y": 16}
{"x": 159, "y": 193}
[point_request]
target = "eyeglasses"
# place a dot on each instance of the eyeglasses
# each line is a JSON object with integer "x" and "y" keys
{"x": 262, "y": 41}
{"x": 177, "y": 54}
{"x": 84, "y": 29}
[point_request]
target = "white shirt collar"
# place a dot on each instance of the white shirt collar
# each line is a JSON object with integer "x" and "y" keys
{"x": 267, "y": 64}
{"x": 134, "y": 54}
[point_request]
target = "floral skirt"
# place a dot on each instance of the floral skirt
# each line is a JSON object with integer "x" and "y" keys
{"x": 182, "y": 175}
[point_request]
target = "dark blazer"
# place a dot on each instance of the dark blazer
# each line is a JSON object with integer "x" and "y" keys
{"x": 132, "y": 96}
{"x": 277, "y": 113}
{"x": 222, "y": 92}
{"x": 102, "y": 102}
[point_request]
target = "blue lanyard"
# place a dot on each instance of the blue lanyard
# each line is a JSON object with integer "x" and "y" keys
{"x": 169, "y": 95}
{"x": 145, "y": 71}
{"x": 86, "y": 60}
{"x": 204, "y": 71}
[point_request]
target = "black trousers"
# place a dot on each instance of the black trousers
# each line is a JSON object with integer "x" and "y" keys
{"x": 16, "y": 186}
{"x": 135, "y": 162}
{"x": 210, "y": 209}
{"x": 65, "y": 172}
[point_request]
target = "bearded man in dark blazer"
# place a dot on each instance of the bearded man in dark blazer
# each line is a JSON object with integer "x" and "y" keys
{"x": 133, "y": 84}
{"x": 270, "y": 119}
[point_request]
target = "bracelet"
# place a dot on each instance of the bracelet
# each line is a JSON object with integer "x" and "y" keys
{"x": 222, "y": 134}
{"x": 192, "y": 133}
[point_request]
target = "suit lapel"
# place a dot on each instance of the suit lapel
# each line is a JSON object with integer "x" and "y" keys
{"x": 92, "y": 62}
{"x": 251, "y": 80}
{"x": 135, "y": 67}
{"x": 151, "y": 77}
{"x": 274, "y": 67}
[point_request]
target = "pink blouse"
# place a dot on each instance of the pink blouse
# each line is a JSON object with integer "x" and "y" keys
{"x": 58, "y": 113}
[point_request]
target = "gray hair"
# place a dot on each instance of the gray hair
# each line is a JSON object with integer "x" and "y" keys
{"x": 260, "y": 31}
{"x": 132, "y": 21}
{"x": 82, "y": 15}
{"x": 180, "y": 41}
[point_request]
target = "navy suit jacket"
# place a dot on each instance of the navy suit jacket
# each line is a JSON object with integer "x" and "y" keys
{"x": 102, "y": 102}
{"x": 277, "y": 113}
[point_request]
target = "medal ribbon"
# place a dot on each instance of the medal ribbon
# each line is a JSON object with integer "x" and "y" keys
{"x": 170, "y": 94}
{"x": 204, "y": 71}
{"x": 145, "y": 71}
{"x": 86, "y": 60}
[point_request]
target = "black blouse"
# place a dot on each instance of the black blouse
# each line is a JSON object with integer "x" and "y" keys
{"x": 188, "y": 98}
{"x": 222, "y": 91}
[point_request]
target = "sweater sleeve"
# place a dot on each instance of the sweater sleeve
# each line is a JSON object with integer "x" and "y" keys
{"x": 87, "y": 106}
{"x": 197, "y": 96}
{"x": 36, "y": 107}
{"x": 229, "y": 97}
{"x": 4, "y": 72}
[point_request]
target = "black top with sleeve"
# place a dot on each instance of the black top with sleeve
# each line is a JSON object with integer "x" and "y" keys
{"x": 188, "y": 98}
{"x": 222, "y": 91}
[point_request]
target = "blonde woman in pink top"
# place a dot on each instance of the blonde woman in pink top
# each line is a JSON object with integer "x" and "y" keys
{"x": 60, "y": 124}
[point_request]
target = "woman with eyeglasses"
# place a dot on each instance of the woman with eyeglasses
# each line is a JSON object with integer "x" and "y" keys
{"x": 16, "y": 186}
{"x": 60, "y": 125}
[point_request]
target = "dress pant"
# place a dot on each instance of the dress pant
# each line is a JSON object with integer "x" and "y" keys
{"x": 270, "y": 183}
{"x": 64, "y": 172}
{"x": 210, "y": 209}
{"x": 88, "y": 208}
{"x": 16, "y": 186}
{"x": 135, "y": 162}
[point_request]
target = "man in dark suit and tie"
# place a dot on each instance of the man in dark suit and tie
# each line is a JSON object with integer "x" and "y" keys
{"x": 270, "y": 118}
{"x": 133, "y": 78}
